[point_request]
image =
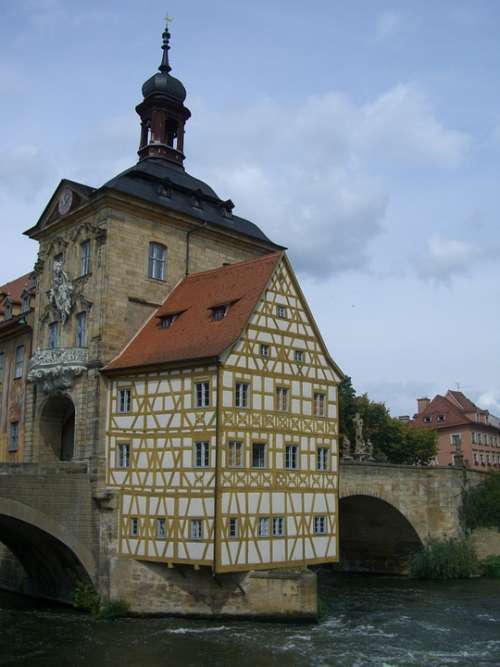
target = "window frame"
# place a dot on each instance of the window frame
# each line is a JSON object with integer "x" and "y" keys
{"x": 326, "y": 465}
{"x": 319, "y": 404}
{"x": 53, "y": 339}
{"x": 281, "y": 311}
{"x": 265, "y": 350}
{"x": 19, "y": 362}
{"x": 13, "y": 446}
{"x": 299, "y": 356}
{"x": 229, "y": 453}
{"x": 201, "y": 448}
{"x": 264, "y": 449}
{"x": 322, "y": 522}
{"x": 281, "y": 405}
{"x": 199, "y": 522}
{"x": 123, "y": 390}
{"x": 161, "y": 534}
{"x": 242, "y": 398}
{"x": 280, "y": 521}
{"x": 85, "y": 258}
{"x": 263, "y": 521}
{"x": 233, "y": 528}
{"x": 155, "y": 262}
{"x": 81, "y": 332}
{"x": 120, "y": 459}
{"x": 202, "y": 404}
{"x": 134, "y": 527}
{"x": 292, "y": 456}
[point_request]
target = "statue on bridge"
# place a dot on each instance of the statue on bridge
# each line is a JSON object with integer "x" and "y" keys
{"x": 363, "y": 449}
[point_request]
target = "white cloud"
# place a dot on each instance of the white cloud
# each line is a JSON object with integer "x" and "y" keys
{"x": 304, "y": 173}
{"x": 445, "y": 258}
{"x": 490, "y": 400}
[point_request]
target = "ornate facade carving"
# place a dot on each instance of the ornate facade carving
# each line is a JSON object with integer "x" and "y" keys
{"x": 55, "y": 370}
{"x": 61, "y": 293}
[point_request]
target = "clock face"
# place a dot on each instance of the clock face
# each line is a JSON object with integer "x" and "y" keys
{"x": 65, "y": 201}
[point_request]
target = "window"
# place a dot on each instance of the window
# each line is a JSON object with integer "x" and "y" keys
{"x": 123, "y": 453}
{"x": 264, "y": 350}
{"x": 281, "y": 399}
{"x": 455, "y": 439}
{"x": 298, "y": 356}
{"x": 440, "y": 418}
{"x": 235, "y": 454}
{"x": 124, "y": 400}
{"x": 19, "y": 365}
{"x": 319, "y": 404}
{"x": 53, "y": 335}
{"x": 319, "y": 525}
{"x": 258, "y": 455}
{"x": 8, "y": 310}
{"x": 291, "y": 457}
{"x": 161, "y": 532}
{"x": 202, "y": 394}
{"x": 427, "y": 420}
{"x": 85, "y": 258}
{"x": 263, "y": 529}
{"x": 201, "y": 454}
{"x": 81, "y": 329}
{"x": 322, "y": 458}
{"x": 134, "y": 526}
{"x": 219, "y": 313}
{"x": 280, "y": 310}
{"x": 14, "y": 437}
{"x": 166, "y": 321}
{"x": 241, "y": 395}
{"x": 278, "y": 526}
{"x": 196, "y": 529}
{"x": 157, "y": 257}
{"x": 233, "y": 527}
{"x": 25, "y": 303}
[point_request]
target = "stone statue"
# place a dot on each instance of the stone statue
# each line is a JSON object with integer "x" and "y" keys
{"x": 359, "y": 444}
{"x": 346, "y": 447}
{"x": 61, "y": 292}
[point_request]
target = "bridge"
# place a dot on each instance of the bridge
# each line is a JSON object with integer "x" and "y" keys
{"x": 54, "y": 520}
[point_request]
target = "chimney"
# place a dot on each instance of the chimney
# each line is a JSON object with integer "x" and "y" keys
{"x": 404, "y": 418}
{"x": 422, "y": 404}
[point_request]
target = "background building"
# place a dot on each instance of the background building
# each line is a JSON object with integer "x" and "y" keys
{"x": 463, "y": 429}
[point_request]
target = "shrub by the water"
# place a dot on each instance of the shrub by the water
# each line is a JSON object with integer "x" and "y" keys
{"x": 87, "y": 598}
{"x": 481, "y": 504}
{"x": 445, "y": 559}
{"x": 490, "y": 567}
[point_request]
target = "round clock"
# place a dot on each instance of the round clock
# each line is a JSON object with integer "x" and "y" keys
{"x": 65, "y": 201}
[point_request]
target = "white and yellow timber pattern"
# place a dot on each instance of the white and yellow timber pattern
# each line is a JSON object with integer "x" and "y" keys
{"x": 249, "y": 481}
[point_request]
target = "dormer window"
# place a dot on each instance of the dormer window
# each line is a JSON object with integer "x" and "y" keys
{"x": 196, "y": 202}
{"x": 427, "y": 420}
{"x": 25, "y": 303}
{"x": 219, "y": 313}
{"x": 8, "y": 310}
{"x": 440, "y": 418}
{"x": 166, "y": 321}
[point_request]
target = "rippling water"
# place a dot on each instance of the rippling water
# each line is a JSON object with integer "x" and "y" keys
{"x": 388, "y": 622}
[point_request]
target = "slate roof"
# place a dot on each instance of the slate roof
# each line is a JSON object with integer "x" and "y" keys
{"x": 161, "y": 182}
{"x": 194, "y": 334}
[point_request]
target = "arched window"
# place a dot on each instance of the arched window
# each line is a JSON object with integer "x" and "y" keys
{"x": 157, "y": 261}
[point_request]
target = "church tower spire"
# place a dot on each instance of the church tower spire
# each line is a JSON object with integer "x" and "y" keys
{"x": 162, "y": 112}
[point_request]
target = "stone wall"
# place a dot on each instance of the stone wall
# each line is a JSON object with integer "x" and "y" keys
{"x": 152, "y": 588}
{"x": 486, "y": 542}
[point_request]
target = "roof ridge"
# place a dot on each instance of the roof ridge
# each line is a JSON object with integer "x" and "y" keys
{"x": 253, "y": 260}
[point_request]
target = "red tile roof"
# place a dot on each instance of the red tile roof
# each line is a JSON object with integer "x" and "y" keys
{"x": 454, "y": 407}
{"x": 14, "y": 290}
{"x": 194, "y": 334}
{"x": 465, "y": 403}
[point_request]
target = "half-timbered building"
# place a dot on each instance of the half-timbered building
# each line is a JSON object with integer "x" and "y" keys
{"x": 222, "y": 429}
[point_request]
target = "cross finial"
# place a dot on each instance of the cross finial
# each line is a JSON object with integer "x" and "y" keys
{"x": 165, "y": 65}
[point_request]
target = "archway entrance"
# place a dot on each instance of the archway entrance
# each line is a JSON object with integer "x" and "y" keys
{"x": 374, "y": 536}
{"x": 57, "y": 429}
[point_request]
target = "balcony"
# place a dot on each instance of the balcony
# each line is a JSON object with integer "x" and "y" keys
{"x": 55, "y": 369}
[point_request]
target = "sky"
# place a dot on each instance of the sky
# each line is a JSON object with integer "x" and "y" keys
{"x": 362, "y": 135}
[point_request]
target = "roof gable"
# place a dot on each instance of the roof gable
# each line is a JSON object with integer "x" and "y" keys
{"x": 67, "y": 197}
{"x": 195, "y": 334}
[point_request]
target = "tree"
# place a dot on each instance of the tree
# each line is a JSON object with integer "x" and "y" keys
{"x": 393, "y": 440}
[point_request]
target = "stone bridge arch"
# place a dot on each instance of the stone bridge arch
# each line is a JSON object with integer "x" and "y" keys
{"x": 376, "y": 535}
{"x": 52, "y": 558}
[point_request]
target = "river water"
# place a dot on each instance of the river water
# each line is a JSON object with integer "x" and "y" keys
{"x": 382, "y": 621}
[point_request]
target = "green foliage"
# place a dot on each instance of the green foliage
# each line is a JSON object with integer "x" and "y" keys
{"x": 393, "y": 440}
{"x": 113, "y": 609}
{"x": 490, "y": 567}
{"x": 481, "y": 504}
{"x": 445, "y": 559}
{"x": 86, "y": 597}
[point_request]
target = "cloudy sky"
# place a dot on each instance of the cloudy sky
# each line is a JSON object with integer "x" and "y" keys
{"x": 363, "y": 135}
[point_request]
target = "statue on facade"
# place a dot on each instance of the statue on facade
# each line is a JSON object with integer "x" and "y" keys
{"x": 61, "y": 292}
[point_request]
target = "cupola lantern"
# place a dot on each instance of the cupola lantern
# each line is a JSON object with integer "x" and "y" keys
{"x": 162, "y": 112}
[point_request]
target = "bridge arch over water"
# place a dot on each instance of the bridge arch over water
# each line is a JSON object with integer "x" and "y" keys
{"x": 50, "y": 555}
